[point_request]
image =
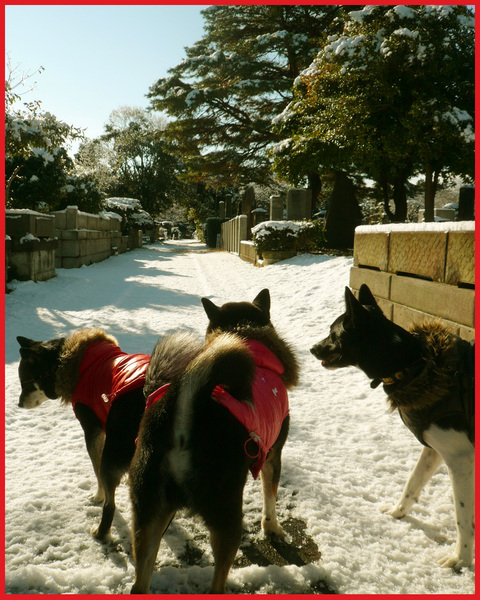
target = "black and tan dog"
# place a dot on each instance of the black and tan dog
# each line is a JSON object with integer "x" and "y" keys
{"x": 428, "y": 376}
{"x": 105, "y": 387}
{"x": 226, "y": 414}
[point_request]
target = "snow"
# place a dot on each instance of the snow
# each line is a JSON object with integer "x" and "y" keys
{"x": 42, "y": 153}
{"x": 265, "y": 227}
{"x": 415, "y": 227}
{"x": 28, "y": 238}
{"x": 192, "y": 96}
{"x": 346, "y": 456}
{"x": 123, "y": 203}
{"x": 404, "y": 12}
{"x": 359, "y": 15}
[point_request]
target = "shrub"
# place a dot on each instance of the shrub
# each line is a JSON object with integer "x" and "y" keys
{"x": 275, "y": 235}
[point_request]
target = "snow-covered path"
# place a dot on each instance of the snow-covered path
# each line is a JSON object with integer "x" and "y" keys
{"x": 345, "y": 458}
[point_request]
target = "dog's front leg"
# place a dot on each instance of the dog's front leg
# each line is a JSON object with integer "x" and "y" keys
{"x": 426, "y": 466}
{"x": 459, "y": 455}
{"x": 95, "y": 441}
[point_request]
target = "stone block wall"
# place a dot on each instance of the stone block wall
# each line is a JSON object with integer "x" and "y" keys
{"x": 37, "y": 243}
{"x": 233, "y": 232}
{"x": 84, "y": 238}
{"x": 30, "y": 245}
{"x": 419, "y": 272}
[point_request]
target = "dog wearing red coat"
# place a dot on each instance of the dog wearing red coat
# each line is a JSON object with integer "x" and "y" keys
{"x": 104, "y": 385}
{"x": 225, "y": 414}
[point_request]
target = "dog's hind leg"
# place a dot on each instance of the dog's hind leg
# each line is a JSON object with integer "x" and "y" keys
{"x": 426, "y": 466}
{"x": 270, "y": 476}
{"x": 459, "y": 456}
{"x": 225, "y": 542}
{"x": 146, "y": 541}
{"x": 110, "y": 479}
{"x": 94, "y": 440}
{"x": 121, "y": 430}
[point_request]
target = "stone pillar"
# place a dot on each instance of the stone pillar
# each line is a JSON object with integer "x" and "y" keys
{"x": 276, "y": 208}
{"x": 299, "y": 204}
{"x": 259, "y": 215}
{"x": 228, "y": 206}
{"x": 466, "y": 203}
{"x": 221, "y": 210}
{"x": 248, "y": 202}
{"x": 71, "y": 213}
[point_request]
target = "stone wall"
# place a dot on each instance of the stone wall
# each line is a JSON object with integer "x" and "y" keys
{"x": 30, "y": 245}
{"x": 37, "y": 243}
{"x": 84, "y": 238}
{"x": 419, "y": 271}
{"x": 233, "y": 232}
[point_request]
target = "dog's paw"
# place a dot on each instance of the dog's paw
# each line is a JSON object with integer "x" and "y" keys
{"x": 455, "y": 562}
{"x": 97, "y": 534}
{"x": 98, "y": 498}
{"x": 394, "y": 511}
{"x": 272, "y": 529}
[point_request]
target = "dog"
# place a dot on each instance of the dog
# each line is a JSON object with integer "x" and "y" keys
{"x": 105, "y": 387}
{"x": 428, "y": 376}
{"x": 226, "y": 414}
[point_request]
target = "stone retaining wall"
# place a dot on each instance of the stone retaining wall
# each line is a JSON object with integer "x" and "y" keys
{"x": 85, "y": 238}
{"x": 30, "y": 246}
{"x": 37, "y": 243}
{"x": 419, "y": 272}
{"x": 233, "y": 232}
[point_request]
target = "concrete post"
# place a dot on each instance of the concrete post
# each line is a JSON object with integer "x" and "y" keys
{"x": 71, "y": 213}
{"x": 221, "y": 210}
{"x": 276, "y": 208}
{"x": 299, "y": 204}
{"x": 466, "y": 203}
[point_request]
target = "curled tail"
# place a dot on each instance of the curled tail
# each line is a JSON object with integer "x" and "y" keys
{"x": 170, "y": 357}
{"x": 225, "y": 361}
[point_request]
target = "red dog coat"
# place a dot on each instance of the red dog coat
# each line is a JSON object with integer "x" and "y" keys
{"x": 105, "y": 373}
{"x": 264, "y": 420}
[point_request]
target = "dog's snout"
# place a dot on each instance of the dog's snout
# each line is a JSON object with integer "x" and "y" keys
{"x": 316, "y": 350}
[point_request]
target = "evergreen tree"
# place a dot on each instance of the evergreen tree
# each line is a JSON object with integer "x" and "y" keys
{"x": 39, "y": 173}
{"x": 141, "y": 159}
{"x": 391, "y": 97}
{"x": 233, "y": 82}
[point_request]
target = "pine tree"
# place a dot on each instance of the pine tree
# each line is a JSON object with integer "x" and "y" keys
{"x": 233, "y": 82}
{"x": 391, "y": 97}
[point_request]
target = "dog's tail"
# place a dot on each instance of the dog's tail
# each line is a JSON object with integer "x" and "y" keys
{"x": 225, "y": 361}
{"x": 170, "y": 358}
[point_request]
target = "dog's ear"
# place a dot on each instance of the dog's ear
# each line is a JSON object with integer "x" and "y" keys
{"x": 27, "y": 353}
{"x": 213, "y": 312}
{"x": 25, "y": 342}
{"x": 366, "y": 298}
{"x": 262, "y": 301}
{"x": 355, "y": 311}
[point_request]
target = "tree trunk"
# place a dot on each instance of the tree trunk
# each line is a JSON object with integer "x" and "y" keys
{"x": 431, "y": 184}
{"x": 400, "y": 197}
{"x": 9, "y": 183}
{"x": 344, "y": 213}
{"x": 314, "y": 184}
{"x": 385, "y": 187}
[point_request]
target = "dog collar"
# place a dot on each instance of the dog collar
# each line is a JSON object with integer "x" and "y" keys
{"x": 399, "y": 375}
{"x": 403, "y": 375}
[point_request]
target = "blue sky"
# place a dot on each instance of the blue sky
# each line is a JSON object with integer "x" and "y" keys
{"x": 97, "y": 58}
